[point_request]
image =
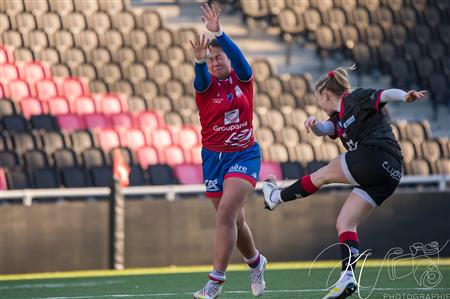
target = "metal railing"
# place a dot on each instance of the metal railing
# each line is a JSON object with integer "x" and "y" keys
{"x": 170, "y": 192}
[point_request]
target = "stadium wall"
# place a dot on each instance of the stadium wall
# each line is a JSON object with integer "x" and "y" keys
{"x": 74, "y": 235}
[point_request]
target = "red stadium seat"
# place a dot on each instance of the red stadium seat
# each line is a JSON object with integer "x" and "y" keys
{"x": 46, "y": 89}
{"x": 33, "y": 71}
{"x": 18, "y": 89}
{"x": 111, "y": 104}
{"x": 8, "y": 72}
{"x": 72, "y": 88}
{"x": 108, "y": 139}
{"x": 31, "y": 106}
{"x": 5, "y": 55}
{"x": 96, "y": 121}
{"x": 2, "y": 91}
{"x": 121, "y": 120}
{"x": 70, "y": 122}
{"x": 148, "y": 120}
{"x": 187, "y": 137}
{"x": 189, "y": 173}
{"x": 3, "y": 184}
{"x": 173, "y": 155}
{"x": 161, "y": 137}
{"x": 84, "y": 105}
{"x": 196, "y": 155}
{"x": 58, "y": 105}
{"x": 133, "y": 139}
{"x": 270, "y": 168}
{"x": 147, "y": 156}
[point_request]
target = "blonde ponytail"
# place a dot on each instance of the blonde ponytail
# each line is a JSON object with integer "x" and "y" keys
{"x": 335, "y": 81}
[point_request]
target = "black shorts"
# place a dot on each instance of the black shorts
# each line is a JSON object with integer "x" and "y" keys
{"x": 376, "y": 172}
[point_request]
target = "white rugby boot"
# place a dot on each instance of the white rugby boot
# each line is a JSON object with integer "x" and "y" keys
{"x": 257, "y": 277}
{"x": 343, "y": 289}
{"x": 269, "y": 186}
{"x": 210, "y": 291}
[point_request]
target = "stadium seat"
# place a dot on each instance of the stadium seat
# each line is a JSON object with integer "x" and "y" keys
{"x": 8, "y": 72}
{"x": 7, "y": 107}
{"x": 121, "y": 120}
{"x": 12, "y": 38}
{"x": 46, "y": 89}
{"x": 33, "y": 71}
{"x": 99, "y": 57}
{"x": 49, "y": 22}
{"x": 161, "y": 174}
{"x": 62, "y": 7}
{"x": 418, "y": 167}
{"x": 123, "y": 21}
{"x": 18, "y": 89}
{"x": 35, "y": 159}
{"x": 3, "y": 182}
{"x": 96, "y": 121}
{"x": 133, "y": 139}
{"x": 8, "y": 159}
{"x": 111, "y": 104}
{"x": 172, "y": 155}
{"x": 196, "y": 155}
{"x": 84, "y": 105}
{"x": 14, "y": 123}
{"x": 31, "y": 106}
{"x": 72, "y": 88}
{"x": 81, "y": 140}
{"x": 277, "y": 153}
{"x": 74, "y": 22}
{"x": 270, "y": 168}
{"x": 64, "y": 158}
{"x": 23, "y": 142}
{"x": 189, "y": 173}
{"x": 147, "y": 156}
{"x": 45, "y": 178}
{"x": 292, "y": 170}
{"x": 17, "y": 179}
{"x": 137, "y": 176}
{"x": 73, "y": 57}
{"x": 108, "y": 139}
{"x": 69, "y": 122}
{"x": 443, "y": 166}
{"x": 4, "y": 52}
{"x": 52, "y": 141}
{"x": 44, "y": 122}
{"x": 265, "y": 137}
{"x": 74, "y": 177}
{"x": 161, "y": 137}
{"x": 302, "y": 152}
{"x": 93, "y": 157}
{"x": 101, "y": 176}
{"x": 149, "y": 21}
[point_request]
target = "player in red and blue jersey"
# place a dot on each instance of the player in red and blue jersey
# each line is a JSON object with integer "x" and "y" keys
{"x": 231, "y": 158}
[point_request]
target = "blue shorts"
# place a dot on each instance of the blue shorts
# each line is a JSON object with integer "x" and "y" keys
{"x": 218, "y": 166}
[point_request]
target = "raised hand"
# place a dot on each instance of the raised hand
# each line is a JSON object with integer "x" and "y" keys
{"x": 413, "y": 95}
{"x": 211, "y": 17}
{"x": 200, "y": 47}
{"x": 310, "y": 122}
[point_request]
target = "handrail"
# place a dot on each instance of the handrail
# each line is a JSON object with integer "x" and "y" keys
{"x": 170, "y": 191}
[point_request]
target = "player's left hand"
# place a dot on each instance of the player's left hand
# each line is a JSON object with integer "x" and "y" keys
{"x": 413, "y": 95}
{"x": 211, "y": 17}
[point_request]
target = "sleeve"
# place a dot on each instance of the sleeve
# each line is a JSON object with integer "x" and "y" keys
{"x": 324, "y": 128}
{"x": 392, "y": 95}
{"x": 202, "y": 78}
{"x": 334, "y": 120}
{"x": 368, "y": 98}
{"x": 238, "y": 62}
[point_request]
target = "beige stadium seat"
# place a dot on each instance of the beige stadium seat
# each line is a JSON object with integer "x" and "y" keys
{"x": 262, "y": 69}
{"x": 85, "y": 70}
{"x": 160, "y": 73}
{"x": 264, "y": 136}
{"x": 113, "y": 7}
{"x": 62, "y": 7}
{"x": 407, "y": 150}
{"x": 87, "y": 40}
{"x": 149, "y": 56}
{"x": 99, "y": 56}
{"x": 110, "y": 73}
{"x": 326, "y": 151}
{"x": 123, "y": 86}
{"x": 149, "y": 21}
{"x": 5, "y": 22}
{"x": 174, "y": 89}
{"x": 255, "y": 9}
{"x": 124, "y": 56}
{"x": 262, "y": 101}
{"x": 73, "y": 57}
{"x": 185, "y": 73}
{"x": 49, "y": 22}
{"x": 162, "y": 104}
{"x": 288, "y": 136}
{"x": 303, "y": 153}
{"x": 185, "y": 104}
{"x": 162, "y": 39}
{"x": 275, "y": 6}
{"x": 443, "y": 166}
{"x": 49, "y": 55}
{"x": 99, "y": 22}
{"x": 278, "y": 153}
{"x": 25, "y": 22}
{"x": 285, "y": 99}
{"x": 74, "y": 22}
{"x": 147, "y": 89}
{"x": 296, "y": 117}
{"x": 295, "y": 84}
{"x": 124, "y": 21}
{"x": 35, "y": 40}
{"x": 136, "y": 72}
{"x": 418, "y": 167}
{"x": 291, "y": 22}
{"x": 137, "y": 39}
{"x": 60, "y": 70}
{"x": 183, "y": 36}
{"x": 111, "y": 39}
{"x": 88, "y": 8}
{"x": 12, "y": 8}
{"x": 136, "y": 104}
{"x": 431, "y": 150}
{"x": 36, "y": 7}
{"x": 12, "y": 38}
{"x": 272, "y": 86}
{"x": 173, "y": 119}
{"x": 173, "y": 55}
{"x": 23, "y": 54}
{"x": 98, "y": 86}
{"x": 62, "y": 40}
{"x": 274, "y": 119}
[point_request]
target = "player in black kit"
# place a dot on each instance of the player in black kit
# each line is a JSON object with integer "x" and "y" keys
{"x": 373, "y": 162}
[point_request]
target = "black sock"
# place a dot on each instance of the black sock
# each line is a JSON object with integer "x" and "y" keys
{"x": 350, "y": 243}
{"x": 301, "y": 188}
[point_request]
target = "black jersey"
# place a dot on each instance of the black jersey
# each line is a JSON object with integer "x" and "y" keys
{"x": 360, "y": 122}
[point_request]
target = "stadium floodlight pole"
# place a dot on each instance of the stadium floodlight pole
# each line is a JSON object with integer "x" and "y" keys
{"x": 117, "y": 227}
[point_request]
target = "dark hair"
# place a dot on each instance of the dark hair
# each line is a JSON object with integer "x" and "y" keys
{"x": 335, "y": 81}
{"x": 215, "y": 44}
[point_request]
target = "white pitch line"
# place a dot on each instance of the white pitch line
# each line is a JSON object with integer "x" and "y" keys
{"x": 232, "y": 292}
{"x": 61, "y": 285}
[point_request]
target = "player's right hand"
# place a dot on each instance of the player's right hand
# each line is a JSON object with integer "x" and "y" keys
{"x": 310, "y": 122}
{"x": 200, "y": 47}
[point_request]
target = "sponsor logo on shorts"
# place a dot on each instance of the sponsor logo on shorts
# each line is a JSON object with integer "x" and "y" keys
{"x": 231, "y": 117}
{"x": 211, "y": 185}
{"x": 352, "y": 145}
{"x": 394, "y": 173}
{"x": 238, "y": 168}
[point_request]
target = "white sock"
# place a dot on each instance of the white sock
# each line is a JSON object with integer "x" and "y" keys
{"x": 276, "y": 196}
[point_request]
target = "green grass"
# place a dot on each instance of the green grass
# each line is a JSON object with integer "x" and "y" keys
{"x": 288, "y": 283}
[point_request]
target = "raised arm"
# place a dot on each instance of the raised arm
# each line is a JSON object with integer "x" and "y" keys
{"x": 238, "y": 62}
{"x": 202, "y": 78}
{"x": 398, "y": 95}
{"x": 320, "y": 128}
